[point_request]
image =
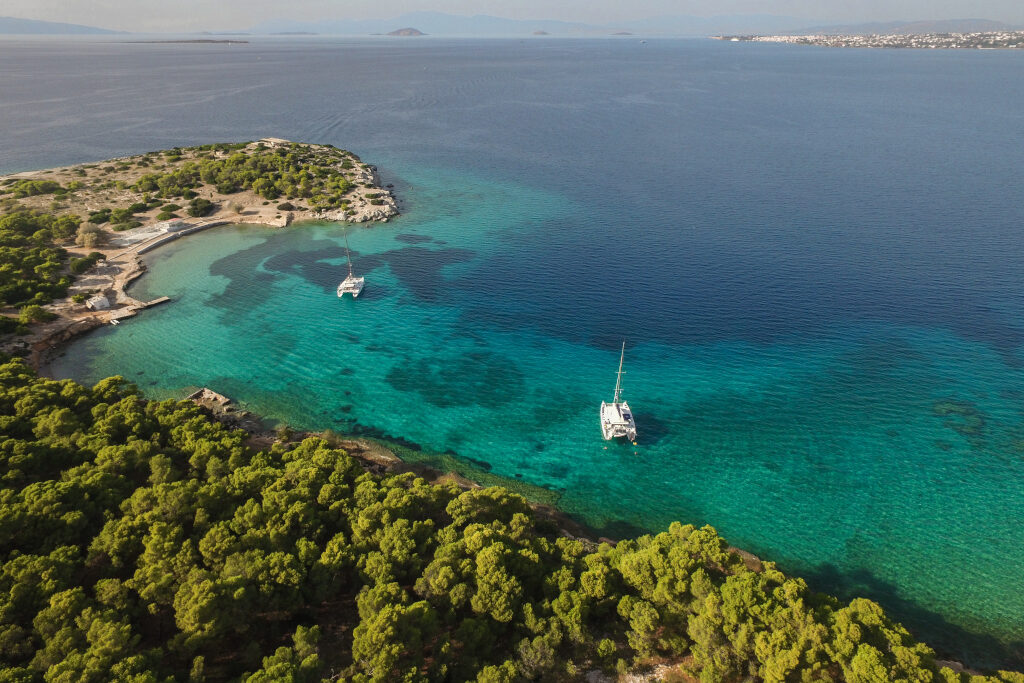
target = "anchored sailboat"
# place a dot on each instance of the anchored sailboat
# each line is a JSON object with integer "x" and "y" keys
{"x": 351, "y": 285}
{"x": 616, "y": 417}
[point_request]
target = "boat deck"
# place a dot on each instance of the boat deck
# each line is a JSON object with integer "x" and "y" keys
{"x": 351, "y": 285}
{"x": 617, "y": 421}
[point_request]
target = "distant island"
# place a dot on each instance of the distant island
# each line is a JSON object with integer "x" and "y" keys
{"x": 407, "y": 32}
{"x": 985, "y": 40}
{"x": 88, "y": 224}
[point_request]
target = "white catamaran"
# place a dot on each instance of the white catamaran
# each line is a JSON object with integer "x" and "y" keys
{"x": 351, "y": 285}
{"x": 616, "y": 417}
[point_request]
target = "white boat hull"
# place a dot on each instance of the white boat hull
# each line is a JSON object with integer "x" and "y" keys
{"x": 617, "y": 421}
{"x": 351, "y": 285}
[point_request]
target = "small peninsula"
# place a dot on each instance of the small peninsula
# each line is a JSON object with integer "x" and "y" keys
{"x": 75, "y": 234}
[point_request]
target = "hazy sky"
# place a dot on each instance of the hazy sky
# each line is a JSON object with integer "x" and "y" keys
{"x": 181, "y": 15}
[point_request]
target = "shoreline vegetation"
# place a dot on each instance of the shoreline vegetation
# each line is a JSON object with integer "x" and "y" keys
{"x": 77, "y": 232}
{"x": 148, "y": 540}
{"x": 181, "y": 539}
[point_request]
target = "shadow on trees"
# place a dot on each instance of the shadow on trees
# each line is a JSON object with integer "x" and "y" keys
{"x": 949, "y": 640}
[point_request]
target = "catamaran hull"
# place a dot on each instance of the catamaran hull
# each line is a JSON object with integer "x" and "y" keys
{"x": 617, "y": 421}
{"x": 353, "y": 286}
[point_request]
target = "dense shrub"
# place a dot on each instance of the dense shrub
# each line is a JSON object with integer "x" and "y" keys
{"x": 99, "y": 217}
{"x": 291, "y": 172}
{"x": 80, "y": 265}
{"x": 199, "y": 207}
{"x": 121, "y": 215}
{"x": 9, "y": 325}
{"x": 31, "y": 268}
{"x": 29, "y": 188}
{"x": 34, "y": 313}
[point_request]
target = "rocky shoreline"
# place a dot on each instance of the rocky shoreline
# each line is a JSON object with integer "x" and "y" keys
{"x": 374, "y": 455}
{"x": 379, "y": 457}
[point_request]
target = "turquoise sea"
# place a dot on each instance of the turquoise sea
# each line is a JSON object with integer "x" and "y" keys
{"x": 813, "y": 255}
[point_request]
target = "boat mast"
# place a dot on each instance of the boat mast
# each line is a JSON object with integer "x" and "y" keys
{"x": 619, "y": 374}
{"x": 347, "y": 255}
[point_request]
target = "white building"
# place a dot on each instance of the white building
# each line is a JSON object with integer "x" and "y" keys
{"x": 98, "y": 303}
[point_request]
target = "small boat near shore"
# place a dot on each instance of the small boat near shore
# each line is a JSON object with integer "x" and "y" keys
{"x": 350, "y": 285}
{"x": 616, "y": 417}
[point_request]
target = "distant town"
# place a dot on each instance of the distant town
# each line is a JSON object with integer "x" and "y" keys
{"x": 991, "y": 40}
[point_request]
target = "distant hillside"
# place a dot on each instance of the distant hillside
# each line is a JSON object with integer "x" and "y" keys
{"x": 27, "y": 27}
{"x": 909, "y": 27}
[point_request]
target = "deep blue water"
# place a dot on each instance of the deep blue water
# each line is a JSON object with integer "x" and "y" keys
{"x": 813, "y": 255}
